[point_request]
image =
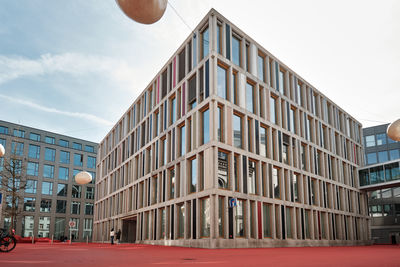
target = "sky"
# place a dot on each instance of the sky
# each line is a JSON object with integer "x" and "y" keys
{"x": 74, "y": 67}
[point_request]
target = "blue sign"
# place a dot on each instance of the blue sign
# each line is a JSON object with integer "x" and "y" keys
{"x": 1, "y": 197}
{"x": 232, "y": 202}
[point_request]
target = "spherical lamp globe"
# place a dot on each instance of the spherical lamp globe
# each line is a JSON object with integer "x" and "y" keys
{"x": 143, "y": 11}
{"x": 83, "y": 178}
{"x": 393, "y": 131}
{"x": 2, "y": 150}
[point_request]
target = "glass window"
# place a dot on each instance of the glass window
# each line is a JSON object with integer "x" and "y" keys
{"x": 267, "y": 220}
{"x": 27, "y": 226}
{"x": 171, "y": 183}
{"x": 61, "y": 206}
{"x": 44, "y": 227}
{"x": 192, "y": 175}
{"x": 250, "y": 97}
{"x": 3, "y": 142}
{"x": 93, "y": 174}
{"x": 89, "y": 193}
{"x": 49, "y": 140}
{"x": 275, "y": 183}
{"x": 173, "y": 110}
{"x": 17, "y": 148}
{"x": 394, "y": 154}
{"x": 3, "y": 130}
{"x": 76, "y": 191}
{"x": 78, "y": 159}
{"x": 63, "y": 143}
{"x": 371, "y": 158}
{"x": 32, "y": 169}
{"x": 48, "y": 171}
{"x": 45, "y": 205}
{"x": 240, "y": 218}
{"x": 59, "y": 228}
{"x": 75, "y": 207}
{"x": 62, "y": 190}
{"x": 220, "y": 118}
{"x": 205, "y": 219}
{"x": 272, "y": 109}
{"x": 88, "y": 208}
{"x": 34, "y": 137}
{"x": 29, "y": 204}
{"x": 49, "y": 154}
{"x": 206, "y": 126}
{"x": 89, "y": 148}
{"x": 223, "y": 168}
{"x": 183, "y": 140}
{"x": 87, "y": 228}
{"x": 222, "y": 84}
{"x": 237, "y": 131}
{"x": 281, "y": 81}
{"x": 34, "y": 152}
{"x": 370, "y": 140}
{"x": 91, "y": 162}
{"x": 47, "y": 188}
{"x": 251, "y": 178}
{"x": 64, "y": 157}
{"x": 31, "y": 186}
{"x": 261, "y": 67}
{"x": 236, "y": 50}
{"x": 19, "y": 133}
{"x": 263, "y": 141}
{"x": 205, "y": 43}
{"x": 382, "y": 156}
{"x": 381, "y": 139}
{"x": 77, "y": 146}
{"x": 63, "y": 173}
{"x": 181, "y": 219}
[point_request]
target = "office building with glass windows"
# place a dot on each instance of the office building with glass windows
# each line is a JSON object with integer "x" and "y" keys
{"x": 380, "y": 178}
{"x": 228, "y": 147}
{"x": 51, "y": 198}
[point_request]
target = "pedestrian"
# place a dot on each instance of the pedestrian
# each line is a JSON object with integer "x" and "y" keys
{"x": 118, "y": 236}
{"x": 112, "y": 236}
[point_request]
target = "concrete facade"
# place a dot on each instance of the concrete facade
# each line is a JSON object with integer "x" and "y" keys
{"x": 228, "y": 147}
{"x": 51, "y": 198}
{"x": 381, "y": 179}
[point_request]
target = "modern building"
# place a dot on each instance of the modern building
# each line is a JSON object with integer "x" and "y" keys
{"x": 381, "y": 179}
{"x": 51, "y": 198}
{"x": 229, "y": 147}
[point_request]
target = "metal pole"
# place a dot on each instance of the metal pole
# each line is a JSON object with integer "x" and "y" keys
{"x": 52, "y": 239}
{"x": 33, "y": 239}
{"x": 70, "y": 236}
{"x": 87, "y": 240}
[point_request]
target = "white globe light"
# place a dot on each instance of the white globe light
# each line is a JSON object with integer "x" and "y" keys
{"x": 393, "y": 131}
{"x": 143, "y": 11}
{"x": 83, "y": 178}
{"x": 2, "y": 150}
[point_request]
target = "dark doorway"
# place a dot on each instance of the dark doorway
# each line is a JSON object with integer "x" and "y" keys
{"x": 128, "y": 234}
{"x": 393, "y": 238}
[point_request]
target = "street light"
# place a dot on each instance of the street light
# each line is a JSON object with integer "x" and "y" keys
{"x": 2, "y": 150}
{"x": 83, "y": 178}
{"x": 143, "y": 11}
{"x": 393, "y": 131}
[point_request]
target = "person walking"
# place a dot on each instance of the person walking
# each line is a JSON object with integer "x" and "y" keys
{"x": 118, "y": 236}
{"x": 112, "y": 236}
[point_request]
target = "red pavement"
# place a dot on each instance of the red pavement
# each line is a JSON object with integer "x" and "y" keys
{"x": 99, "y": 255}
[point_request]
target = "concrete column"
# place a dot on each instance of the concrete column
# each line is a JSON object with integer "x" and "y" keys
{"x": 252, "y": 59}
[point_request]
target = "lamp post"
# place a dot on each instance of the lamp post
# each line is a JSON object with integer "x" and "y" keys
{"x": 143, "y": 11}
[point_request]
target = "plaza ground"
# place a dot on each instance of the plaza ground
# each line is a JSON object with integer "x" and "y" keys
{"x": 99, "y": 255}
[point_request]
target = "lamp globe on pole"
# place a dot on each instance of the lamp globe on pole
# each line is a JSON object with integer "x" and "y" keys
{"x": 393, "y": 131}
{"x": 83, "y": 178}
{"x": 143, "y": 11}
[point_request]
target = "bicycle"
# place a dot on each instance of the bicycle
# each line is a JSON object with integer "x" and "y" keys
{"x": 7, "y": 241}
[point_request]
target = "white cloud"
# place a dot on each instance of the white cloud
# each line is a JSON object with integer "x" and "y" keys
{"x": 80, "y": 115}
{"x": 69, "y": 63}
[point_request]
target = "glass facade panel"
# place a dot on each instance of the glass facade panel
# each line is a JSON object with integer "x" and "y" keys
{"x": 34, "y": 152}
{"x": 222, "y": 84}
{"x": 371, "y": 158}
{"x": 48, "y": 171}
{"x": 260, "y": 67}
{"x": 59, "y": 228}
{"x": 49, "y": 154}
{"x": 205, "y": 219}
{"x": 64, "y": 157}
{"x": 394, "y": 154}
{"x": 47, "y": 188}
{"x": 45, "y": 205}
{"x": 78, "y": 160}
{"x": 267, "y": 220}
{"x": 29, "y": 204}
{"x": 91, "y": 162}
{"x": 44, "y": 227}
{"x": 223, "y": 167}
{"x": 28, "y": 223}
{"x": 193, "y": 175}
{"x": 17, "y": 148}
{"x": 32, "y": 168}
{"x": 63, "y": 173}
{"x": 251, "y": 179}
{"x": 381, "y": 139}
{"x": 49, "y": 140}
{"x": 272, "y": 110}
{"x": 250, "y": 97}
{"x": 61, "y": 206}
{"x": 62, "y": 190}
{"x": 206, "y": 126}
{"x": 383, "y": 156}
{"x": 63, "y": 143}
{"x": 31, "y": 186}
{"x": 370, "y": 140}
{"x": 34, "y": 137}
{"x": 237, "y": 131}
{"x": 240, "y": 218}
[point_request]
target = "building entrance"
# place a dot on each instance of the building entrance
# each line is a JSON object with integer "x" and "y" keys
{"x": 129, "y": 230}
